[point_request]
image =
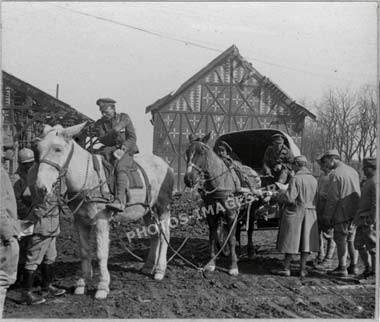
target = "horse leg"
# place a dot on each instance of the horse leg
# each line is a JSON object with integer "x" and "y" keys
{"x": 102, "y": 241}
{"x": 84, "y": 233}
{"x": 250, "y": 247}
{"x": 251, "y": 226}
{"x": 151, "y": 261}
{"x": 233, "y": 270}
{"x": 164, "y": 236}
{"x": 212, "y": 225}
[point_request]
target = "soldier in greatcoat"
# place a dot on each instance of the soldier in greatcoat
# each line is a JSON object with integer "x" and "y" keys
{"x": 341, "y": 206}
{"x": 298, "y": 230}
{"x": 278, "y": 159}
{"x": 9, "y": 232}
{"x": 324, "y": 259}
{"x": 365, "y": 219}
{"x": 41, "y": 247}
{"x": 117, "y": 133}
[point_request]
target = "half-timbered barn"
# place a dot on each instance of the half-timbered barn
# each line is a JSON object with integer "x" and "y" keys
{"x": 25, "y": 109}
{"x": 227, "y": 95}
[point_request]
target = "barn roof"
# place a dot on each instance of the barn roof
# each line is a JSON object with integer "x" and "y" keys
{"x": 233, "y": 50}
{"x": 46, "y": 102}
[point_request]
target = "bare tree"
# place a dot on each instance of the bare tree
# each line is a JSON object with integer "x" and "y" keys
{"x": 347, "y": 121}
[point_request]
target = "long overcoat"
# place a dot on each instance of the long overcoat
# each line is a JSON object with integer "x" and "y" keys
{"x": 298, "y": 225}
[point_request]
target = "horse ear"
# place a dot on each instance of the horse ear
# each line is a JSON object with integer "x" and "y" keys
{"x": 73, "y": 130}
{"x": 206, "y": 137}
{"x": 191, "y": 137}
{"x": 46, "y": 129}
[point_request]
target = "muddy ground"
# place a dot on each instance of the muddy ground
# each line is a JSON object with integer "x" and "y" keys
{"x": 185, "y": 293}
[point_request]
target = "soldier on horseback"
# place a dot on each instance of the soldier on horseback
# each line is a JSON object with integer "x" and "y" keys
{"x": 117, "y": 133}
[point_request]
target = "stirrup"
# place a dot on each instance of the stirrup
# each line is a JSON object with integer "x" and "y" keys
{"x": 116, "y": 206}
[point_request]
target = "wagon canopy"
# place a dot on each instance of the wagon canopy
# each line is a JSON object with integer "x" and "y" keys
{"x": 249, "y": 146}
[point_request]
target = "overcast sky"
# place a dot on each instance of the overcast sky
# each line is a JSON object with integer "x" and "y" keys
{"x": 304, "y": 48}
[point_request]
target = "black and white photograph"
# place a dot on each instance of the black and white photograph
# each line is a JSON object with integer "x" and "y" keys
{"x": 189, "y": 160}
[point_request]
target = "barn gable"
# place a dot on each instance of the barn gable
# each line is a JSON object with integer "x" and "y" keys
{"x": 227, "y": 95}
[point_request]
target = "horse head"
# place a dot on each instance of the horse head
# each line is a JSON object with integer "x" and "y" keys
{"x": 196, "y": 159}
{"x": 55, "y": 147}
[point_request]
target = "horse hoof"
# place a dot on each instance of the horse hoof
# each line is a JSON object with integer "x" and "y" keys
{"x": 79, "y": 290}
{"x": 159, "y": 276}
{"x": 101, "y": 294}
{"x": 210, "y": 268}
{"x": 233, "y": 272}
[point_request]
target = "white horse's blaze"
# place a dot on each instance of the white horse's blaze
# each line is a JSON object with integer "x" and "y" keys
{"x": 55, "y": 146}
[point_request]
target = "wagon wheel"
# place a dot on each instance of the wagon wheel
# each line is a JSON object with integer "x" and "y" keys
{"x": 222, "y": 233}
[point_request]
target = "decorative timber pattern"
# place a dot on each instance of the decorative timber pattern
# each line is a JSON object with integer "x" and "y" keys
{"x": 227, "y": 95}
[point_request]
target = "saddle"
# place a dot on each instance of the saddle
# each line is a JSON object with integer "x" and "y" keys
{"x": 134, "y": 177}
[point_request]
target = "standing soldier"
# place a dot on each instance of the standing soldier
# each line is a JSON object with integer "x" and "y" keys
{"x": 9, "y": 231}
{"x": 41, "y": 248}
{"x": 117, "y": 133}
{"x": 341, "y": 205}
{"x": 278, "y": 159}
{"x": 324, "y": 259}
{"x": 365, "y": 220}
{"x": 23, "y": 199}
{"x": 298, "y": 226}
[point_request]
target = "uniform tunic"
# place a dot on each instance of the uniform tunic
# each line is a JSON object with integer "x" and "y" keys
{"x": 343, "y": 195}
{"x": 366, "y": 217}
{"x": 298, "y": 226}
{"x": 124, "y": 134}
{"x": 342, "y": 203}
{"x": 273, "y": 157}
{"x": 9, "y": 230}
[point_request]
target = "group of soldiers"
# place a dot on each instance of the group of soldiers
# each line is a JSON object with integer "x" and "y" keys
{"x": 23, "y": 255}
{"x": 334, "y": 208}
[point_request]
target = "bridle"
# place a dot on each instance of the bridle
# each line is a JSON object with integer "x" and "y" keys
{"x": 204, "y": 174}
{"x": 62, "y": 171}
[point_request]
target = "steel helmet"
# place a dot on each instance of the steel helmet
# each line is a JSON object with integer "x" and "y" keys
{"x": 25, "y": 155}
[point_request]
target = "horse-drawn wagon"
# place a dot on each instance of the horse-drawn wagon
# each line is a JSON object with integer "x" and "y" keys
{"x": 249, "y": 148}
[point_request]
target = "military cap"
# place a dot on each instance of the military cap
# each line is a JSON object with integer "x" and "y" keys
{"x": 300, "y": 158}
{"x": 277, "y": 138}
{"x": 369, "y": 163}
{"x": 333, "y": 152}
{"x": 225, "y": 145}
{"x": 105, "y": 100}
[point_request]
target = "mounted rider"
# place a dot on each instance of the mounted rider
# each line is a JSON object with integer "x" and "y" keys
{"x": 278, "y": 159}
{"x": 117, "y": 133}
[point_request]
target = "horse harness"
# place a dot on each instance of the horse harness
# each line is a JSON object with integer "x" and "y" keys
{"x": 85, "y": 194}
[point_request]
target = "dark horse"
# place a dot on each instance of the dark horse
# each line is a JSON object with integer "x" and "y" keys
{"x": 218, "y": 188}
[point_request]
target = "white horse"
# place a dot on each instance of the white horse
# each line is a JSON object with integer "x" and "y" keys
{"x": 61, "y": 158}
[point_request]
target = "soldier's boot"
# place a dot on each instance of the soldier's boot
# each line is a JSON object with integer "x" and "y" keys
{"x": 28, "y": 296}
{"x": 373, "y": 262}
{"x": 121, "y": 195}
{"x": 353, "y": 269}
{"x": 285, "y": 271}
{"x": 303, "y": 270}
{"x": 47, "y": 281}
